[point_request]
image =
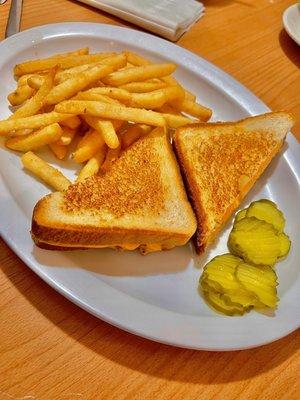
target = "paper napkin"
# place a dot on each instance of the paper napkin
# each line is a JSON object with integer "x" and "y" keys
{"x": 167, "y": 18}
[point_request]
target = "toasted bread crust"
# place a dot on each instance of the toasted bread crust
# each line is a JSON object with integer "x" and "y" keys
{"x": 154, "y": 215}
{"x": 271, "y": 142}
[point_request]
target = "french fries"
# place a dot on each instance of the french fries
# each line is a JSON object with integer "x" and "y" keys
{"x": 143, "y": 87}
{"x": 33, "y": 141}
{"x": 33, "y": 122}
{"x": 138, "y": 74}
{"x": 36, "y": 102}
{"x": 133, "y": 133}
{"x": 92, "y": 166}
{"x": 110, "y": 111}
{"x": 21, "y": 94}
{"x": 80, "y": 81}
{"x": 71, "y": 122}
{"x": 89, "y": 145}
{"x": 67, "y": 136}
{"x": 59, "y": 150}
{"x": 106, "y": 129}
{"x": 194, "y": 109}
{"x": 29, "y": 67}
{"x": 106, "y": 100}
{"x": 51, "y": 176}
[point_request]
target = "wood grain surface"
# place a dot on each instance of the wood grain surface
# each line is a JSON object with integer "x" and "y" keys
{"x": 51, "y": 349}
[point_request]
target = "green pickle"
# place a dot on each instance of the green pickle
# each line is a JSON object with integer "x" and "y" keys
{"x": 259, "y": 280}
{"x": 266, "y": 210}
{"x": 256, "y": 241}
{"x": 240, "y": 215}
{"x": 285, "y": 245}
{"x": 216, "y": 301}
{"x": 243, "y": 279}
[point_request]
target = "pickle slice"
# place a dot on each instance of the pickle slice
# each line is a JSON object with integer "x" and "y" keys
{"x": 260, "y": 280}
{"x": 255, "y": 241}
{"x": 266, "y": 210}
{"x": 240, "y": 215}
{"x": 219, "y": 272}
{"x": 285, "y": 245}
{"x": 216, "y": 301}
{"x": 219, "y": 275}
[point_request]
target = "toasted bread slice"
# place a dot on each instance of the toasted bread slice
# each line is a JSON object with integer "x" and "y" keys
{"x": 140, "y": 202}
{"x": 220, "y": 163}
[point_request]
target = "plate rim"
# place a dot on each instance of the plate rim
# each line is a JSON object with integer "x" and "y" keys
{"x": 237, "y": 91}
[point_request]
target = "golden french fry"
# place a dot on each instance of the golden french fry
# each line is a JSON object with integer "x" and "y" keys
{"x": 143, "y": 87}
{"x": 112, "y": 92}
{"x": 93, "y": 165}
{"x": 87, "y": 95}
{"x": 194, "y": 109}
{"x": 111, "y": 156}
{"x": 138, "y": 74}
{"x": 138, "y": 60}
{"x": 36, "y": 139}
{"x": 35, "y": 81}
{"x": 44, "y": 171}
{"x": 23, "y": 79}
{"x": 168, "y": 109}
{"x": 33, "y": 122}
{"x": 21, "y": 94}
{"x": 80, "y": 81}
{"x": 60, "y": 151}
{"x": 79, "y": 52}
{"x": 88, "y": 146}
{"x": 175, "y": 121}
{"x": 110, "y": 111}
{"x": 157, "y": 98}
{"x": 133, "y": 133}
{"x": 29, "y": 67}
{"x": 189, "y": 95}
{"x": 36, "y": 102}
{"x": 71, "y": 122}
{"x": 63, "y": 75}
{"x": 67, "y": 136}
{"x": 106, "y": 129}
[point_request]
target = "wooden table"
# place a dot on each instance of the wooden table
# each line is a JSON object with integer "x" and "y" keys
{"x": 51, "y": 349}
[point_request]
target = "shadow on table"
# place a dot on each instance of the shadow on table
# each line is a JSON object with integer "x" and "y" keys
{"x": 147, "y": 357}
{"x": 290, "y": 48}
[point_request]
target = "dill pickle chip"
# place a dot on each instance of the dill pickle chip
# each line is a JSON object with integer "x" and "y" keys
{"x": 216, "y": 301}
{"x": 242, "y": 297}
{"x": 259, "y": 280}
{"x": 285, "y": 245}
{"x": 219, "y": 272}
{"x": 240, "y": 215}
{"x": 267, "y": 211}
{"x": 255, "y": 241}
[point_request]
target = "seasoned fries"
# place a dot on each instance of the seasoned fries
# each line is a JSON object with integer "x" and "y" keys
{"x": 89, "y": 145}
{"x": 110, "y": 111}
{"x": 33, "y": 141}
{"x": 21, "y": 94}
{"x": 44, "y": 171}
{"x": 92, "y": 166}
{"x": 138, "y": 74}
{"x": 91, "y": 107}
{"x": 106, "y": 129}
{"x": 33, "y": 122}
{"x": 36, "y": 102}
{"x": 63, "y": 62}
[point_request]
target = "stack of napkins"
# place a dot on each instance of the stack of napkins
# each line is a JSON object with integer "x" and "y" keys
{"x": 167, "y": 18}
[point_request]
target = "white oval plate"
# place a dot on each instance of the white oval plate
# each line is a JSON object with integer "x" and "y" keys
{"x": 291, "y": 22}
{"x": 154, "y": 296}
